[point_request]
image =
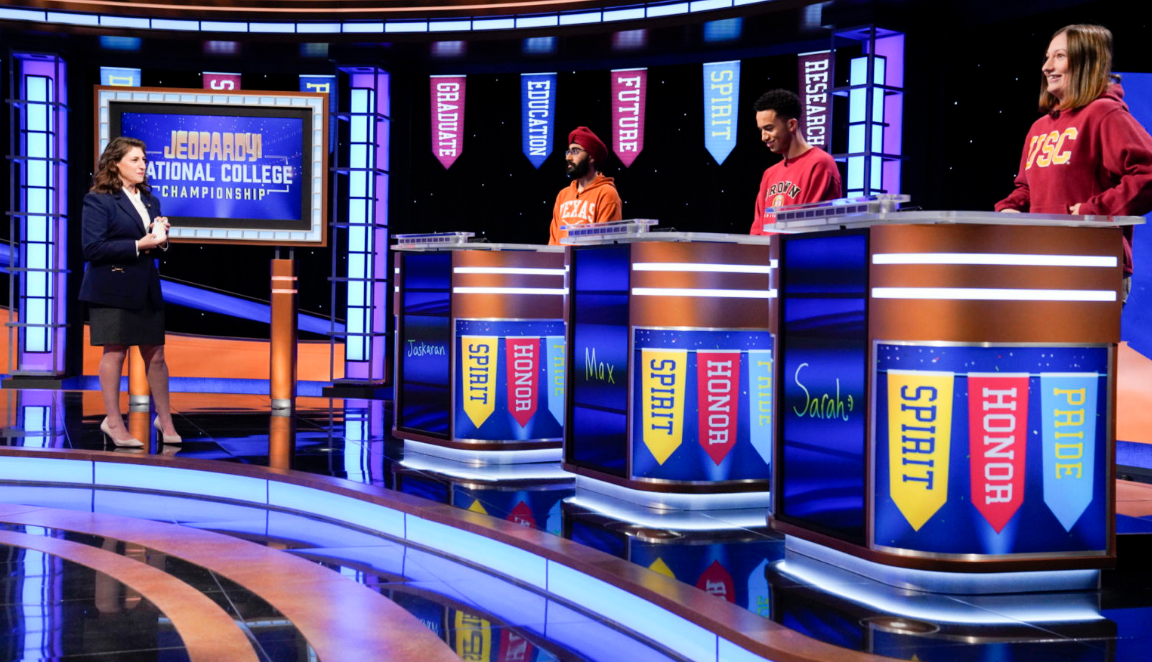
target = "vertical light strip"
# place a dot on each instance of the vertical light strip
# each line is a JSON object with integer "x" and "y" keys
{"x": 39, "y": 207}
{"x": 366, "y": 302}
{"x": 875, "y": 113}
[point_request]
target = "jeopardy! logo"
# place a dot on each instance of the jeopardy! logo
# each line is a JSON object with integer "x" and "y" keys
{"x": 920, "y": 405}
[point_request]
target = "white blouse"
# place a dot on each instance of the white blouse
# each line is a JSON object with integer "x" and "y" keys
{"x": 140, "y": 208}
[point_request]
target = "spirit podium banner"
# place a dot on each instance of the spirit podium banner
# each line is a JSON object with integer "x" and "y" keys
{"x": 704, "y": 399}
{"x": 506, "y": 388}
{"x": 991, "y": 450}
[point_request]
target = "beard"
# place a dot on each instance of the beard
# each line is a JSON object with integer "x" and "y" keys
{"x": 578, "y": 170}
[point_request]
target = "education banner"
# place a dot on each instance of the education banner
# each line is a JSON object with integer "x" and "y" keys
{"x": 537, "y": 115}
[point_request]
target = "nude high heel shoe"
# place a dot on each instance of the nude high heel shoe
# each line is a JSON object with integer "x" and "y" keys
{"x": 166, "y": 438}
{"x": 130, "y": 442}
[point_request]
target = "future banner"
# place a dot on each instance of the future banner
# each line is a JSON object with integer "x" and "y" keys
{"x": 629, "y": 95}
{"x": 991, "y": 450}
{"x": 508, "y": 383}
{"x": 537, "y": 115}
{"x": 447, "y": 103}
{"x": 721, "y": 100}
{"x": 704, "y": 399}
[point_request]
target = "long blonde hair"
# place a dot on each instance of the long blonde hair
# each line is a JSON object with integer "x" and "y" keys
{"x": 1089, "y": 67}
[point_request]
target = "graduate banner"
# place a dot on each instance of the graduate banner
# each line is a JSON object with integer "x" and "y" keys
{"x": 554, "y": 372}
{"x": 629, "y": 92}
{"x": 447, "y": 107}
{"x": 1022, "y": 473}
{"x": 694, "y": 404}
{"x": 503, "y": 388}
{"x": 1068, "y": 404}
{"x": 721, "y": 98}
{"x": 537, "y": 115}
{"x": 997, "y": 445}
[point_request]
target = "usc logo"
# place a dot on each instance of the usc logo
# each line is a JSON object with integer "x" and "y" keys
{"x": 1048, "y": 149}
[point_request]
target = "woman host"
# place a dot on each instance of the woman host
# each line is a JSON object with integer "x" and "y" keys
{"x": 121, "y": 227}
{"x": 1086, "y": 154}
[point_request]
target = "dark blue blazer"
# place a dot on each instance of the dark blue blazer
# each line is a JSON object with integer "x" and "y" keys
{"x": 116, "y": 276}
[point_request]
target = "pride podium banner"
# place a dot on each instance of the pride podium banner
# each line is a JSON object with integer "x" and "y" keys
{"x": 506, "y": 376}
{"x": 703, "y": 400}
{"x": 991, "y": 450}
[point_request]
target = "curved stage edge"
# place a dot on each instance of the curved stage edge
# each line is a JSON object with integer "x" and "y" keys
{"x": 682, "y": 618}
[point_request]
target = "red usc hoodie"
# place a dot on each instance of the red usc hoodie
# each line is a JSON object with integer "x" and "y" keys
{"x": 1098, "y": 156}
{"x": 597, "y": 203}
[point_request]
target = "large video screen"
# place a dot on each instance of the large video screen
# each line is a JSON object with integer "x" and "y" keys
{"x": 245, "y": 167}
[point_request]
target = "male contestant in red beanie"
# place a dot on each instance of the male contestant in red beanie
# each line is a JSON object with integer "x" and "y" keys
{"x": 591, "y": 197}
{"x": 807, "y": 173}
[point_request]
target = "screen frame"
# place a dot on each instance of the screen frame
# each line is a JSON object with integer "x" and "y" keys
{"x": 305, "y": 105}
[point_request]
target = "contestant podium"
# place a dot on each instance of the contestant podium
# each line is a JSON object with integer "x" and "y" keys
{"x": 947, "y": 387}
{"x": 670, "y": 356}
{"x": 479, "y": 349}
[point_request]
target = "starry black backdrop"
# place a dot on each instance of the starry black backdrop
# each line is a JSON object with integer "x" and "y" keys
{"x": 971, "y": 84}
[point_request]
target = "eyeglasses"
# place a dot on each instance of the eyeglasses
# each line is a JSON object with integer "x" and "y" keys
{"x": 573, "y": 151}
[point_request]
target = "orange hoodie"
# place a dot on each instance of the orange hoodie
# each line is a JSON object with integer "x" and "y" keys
{"x": 597, "y": 203}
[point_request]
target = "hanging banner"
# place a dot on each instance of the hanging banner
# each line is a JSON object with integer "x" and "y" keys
{"x": 318, "y": 84}
{"x": 663, "y": 386}
{"x": 760, "y": 401}
{"x": 447, "y": 99}
{"x": 479, "y": 377}
{"x": 555, "y": 375}
{"x": 919, "y": 441}
{"x": 1068, "y": 420}
{"x": 120, "y": 76}
{"x": 997, "y": 443}
{"x": 537, "y": 115}
{"x": 218, "y": 81}
{"x": 629, "y": 90}
{"x": 522, "y": 356}
{"x": 721, "y": 97}
{"x": 815, "y": 99}
{"x": 717, "y": 401}
{"x": 718, "y": 581}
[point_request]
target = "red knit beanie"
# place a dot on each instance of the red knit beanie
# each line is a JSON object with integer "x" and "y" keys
{"x": 584, "y": 137}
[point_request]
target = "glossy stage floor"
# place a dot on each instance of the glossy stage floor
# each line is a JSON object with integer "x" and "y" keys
{"x": 316, "y": 536}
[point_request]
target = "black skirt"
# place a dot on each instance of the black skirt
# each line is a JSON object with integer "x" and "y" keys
{"x": 117, "y": 326}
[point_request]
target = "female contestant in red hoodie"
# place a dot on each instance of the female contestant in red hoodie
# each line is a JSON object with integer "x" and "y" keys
{"x": 1087, "y": 154}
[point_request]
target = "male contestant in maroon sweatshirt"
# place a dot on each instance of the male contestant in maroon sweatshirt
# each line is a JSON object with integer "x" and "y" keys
{"x": 807, "y": 173}
{"x": 1086, "y": 154}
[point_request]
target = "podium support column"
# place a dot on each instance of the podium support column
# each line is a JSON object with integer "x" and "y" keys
{"x": 282, "y": 373}
{"x": 139, "y": 393}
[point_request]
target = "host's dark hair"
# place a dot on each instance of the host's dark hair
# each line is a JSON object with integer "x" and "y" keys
{"x": 107, "y": 178}
{"x": 784, "y": 102}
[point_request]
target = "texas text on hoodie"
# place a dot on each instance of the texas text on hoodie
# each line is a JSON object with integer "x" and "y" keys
{"x": 1097, "y": 156}
{"x": 597, "y": 203}
{"x": 810, "y": 177}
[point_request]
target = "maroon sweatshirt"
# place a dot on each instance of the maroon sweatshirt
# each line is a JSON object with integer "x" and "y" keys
{"x": 1098, "y": 156}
